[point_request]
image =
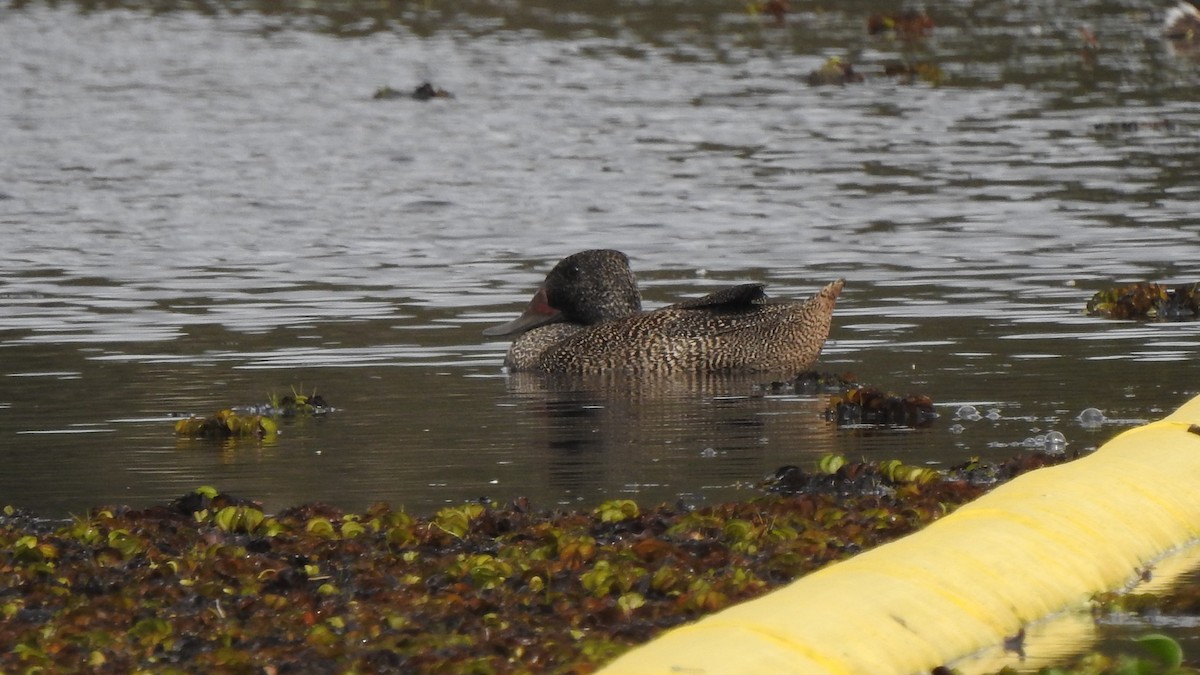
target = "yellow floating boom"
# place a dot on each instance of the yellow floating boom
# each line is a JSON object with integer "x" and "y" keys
{"x": 1043, "y": 542}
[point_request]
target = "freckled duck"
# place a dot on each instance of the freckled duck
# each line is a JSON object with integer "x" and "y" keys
{"x": 1182, "y": 22}
{"x": 587, "y": 317}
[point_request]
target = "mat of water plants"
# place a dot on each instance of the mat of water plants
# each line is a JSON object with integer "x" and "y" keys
{"x": 211, "y": 583}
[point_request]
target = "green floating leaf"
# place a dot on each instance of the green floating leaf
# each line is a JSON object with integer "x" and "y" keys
{"x": 320, "y": 527}
{"x": 617, "y": 510}
{"x": 829, "y": 464}
{"x": 352, "y": 529}
{"x": 457, "y": 521}
{"x": 125, "y": 542}
{"x": 151, "y": 632}
{"x": 238, "y": 519}
{"x": 1163, "y": 648}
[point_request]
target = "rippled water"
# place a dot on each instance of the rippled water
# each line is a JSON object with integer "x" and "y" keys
{"x": 199, "y": 210}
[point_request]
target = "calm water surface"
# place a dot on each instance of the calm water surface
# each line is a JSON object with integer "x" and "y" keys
{"x": 200, "y": 210}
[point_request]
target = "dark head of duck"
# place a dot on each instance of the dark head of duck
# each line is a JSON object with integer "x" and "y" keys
{"x": 586, "y": 288}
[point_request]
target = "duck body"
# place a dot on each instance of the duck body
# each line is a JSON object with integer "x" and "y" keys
{"x": 1182, "y": 22}
{"x": 586, "y": 318}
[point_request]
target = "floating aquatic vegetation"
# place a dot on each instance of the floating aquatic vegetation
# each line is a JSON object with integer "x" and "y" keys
{"x": 253, "y": 421}
{"x": 1147, "y": 301}
{"x": 1154, "y": 653}
{"x": 211, "y": 582}
{"x": 834, "y": 71}
{"x": 424, "y": 92}
{"x": 868, "y": 405}
{"x": 909, "y": 73}
{"x": 835, "y": 475}
{"x": 776, "y": 9}
{"x": 228, "y": 424}
{"x": 980, "y": 473}
{"x": 1130, "y": 126}
{"x": 853, "y": 403}
{"x": 291, "y": 405}
{"x": 910, "y": 23}
{"x": 811, "y": 382}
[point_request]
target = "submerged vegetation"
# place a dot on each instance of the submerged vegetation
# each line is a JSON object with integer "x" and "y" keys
{"x": 1147, "y": 301}
{"x": 213, "y": 582}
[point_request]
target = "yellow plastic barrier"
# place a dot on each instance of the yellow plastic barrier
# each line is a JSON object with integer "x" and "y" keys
{"x": 1043, "y": 542}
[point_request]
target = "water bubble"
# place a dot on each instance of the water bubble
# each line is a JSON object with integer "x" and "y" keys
{"x": 1056, "y": 443}
{"x": 708, "y": 452}
{"x": 956, "y": 429}
{"x": 968, "y": 412}
{"x": 993, "y": 414}
{"x": 1091, "y": 418}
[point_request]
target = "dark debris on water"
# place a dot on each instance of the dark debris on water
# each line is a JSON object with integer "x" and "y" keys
{"x": 852, "y": 403}
{"x": 868, "y": 405}
{"x": 424, "y": 92}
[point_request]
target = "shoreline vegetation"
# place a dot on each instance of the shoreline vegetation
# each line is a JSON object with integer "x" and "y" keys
{"x": 211, "y": 582}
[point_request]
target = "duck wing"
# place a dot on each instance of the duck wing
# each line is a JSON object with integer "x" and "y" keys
{"x": 743, "y": 309}
{"x": 742, "y": 296}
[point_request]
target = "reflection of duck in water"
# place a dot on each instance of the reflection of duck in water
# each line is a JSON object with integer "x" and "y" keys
{"x": 586, "y": 318}
{"x": 1182, "y": 22}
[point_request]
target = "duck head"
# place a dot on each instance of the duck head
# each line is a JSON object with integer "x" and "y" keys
{"x": 586, "y": 288}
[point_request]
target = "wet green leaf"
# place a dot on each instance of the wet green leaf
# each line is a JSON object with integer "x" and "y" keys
{"x": 151, "y": 632}
{"x": 600, "y": 580}
{"x": 351, "y": 529}
{"x": 829, "y": 464}
{"x": 628, "y": 602}
{"x": 238, "y": 519}
{"x": 617, "y": 510}
{"x": 125, "y": 542}
{"x": 320, "y": 527}
{"x": 456, "y": 521}
{"x": 1163, "y": 648}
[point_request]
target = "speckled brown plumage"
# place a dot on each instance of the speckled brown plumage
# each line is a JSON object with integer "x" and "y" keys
{"x": 586, "y": 318}
{"x": 1182, "y": 23}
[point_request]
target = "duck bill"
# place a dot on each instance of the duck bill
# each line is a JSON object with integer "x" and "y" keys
{"x": 538, "y": 313}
